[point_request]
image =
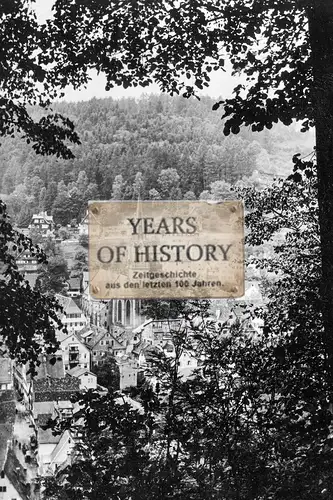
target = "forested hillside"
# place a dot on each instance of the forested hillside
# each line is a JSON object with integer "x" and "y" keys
{"x": 158, "y": 147}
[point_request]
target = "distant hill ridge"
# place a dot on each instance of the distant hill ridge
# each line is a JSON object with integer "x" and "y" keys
{"x": 159, "y": 146}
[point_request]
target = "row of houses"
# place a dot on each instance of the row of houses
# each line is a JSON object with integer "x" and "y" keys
{"x": 48, "y": 396}
{"x": 45, "y": 225}
{"x": 29, "y": 449}
{"x": 95, "y": 329}
{"x": 27, "y": 405}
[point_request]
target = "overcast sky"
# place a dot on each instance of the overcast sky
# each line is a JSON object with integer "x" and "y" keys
{"x": 221, "y": 82}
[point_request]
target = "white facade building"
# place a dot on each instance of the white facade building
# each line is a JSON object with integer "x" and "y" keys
{"x": 75, "y": 353}
{"x": 72, "y": 316}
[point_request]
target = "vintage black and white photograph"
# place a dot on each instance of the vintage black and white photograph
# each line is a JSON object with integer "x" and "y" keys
{"x": 166, "y": 249}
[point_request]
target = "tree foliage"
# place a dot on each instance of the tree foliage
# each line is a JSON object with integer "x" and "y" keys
{"x": 186, "y": 140}
{"x": 52, "y": 276}
{"x": 110, "y": 458}
{"x": 26, "y": 80}
{"x": 254, "y": 420}
{"x": 287, "y": 64}
{"x": 80, "y": 262}
{"x": 179, "y": 45}
{"x": 175, "y": 45}
{"x": 286, "y": 215}
{"x": 108, "y": 373}
{"x": 28, "y": 318}
{"x": 83, "y": 240}
{"x": 257, "y": 424}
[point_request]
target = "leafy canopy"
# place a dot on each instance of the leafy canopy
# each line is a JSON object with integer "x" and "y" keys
{"x": 26, "y": 81}
{"x": 175, "y": 44}
{"x": 108, "y": 373}
{"x": 254, "y": 420}
{"x": 178, "y": 44}
{"x": 28, "y": 319}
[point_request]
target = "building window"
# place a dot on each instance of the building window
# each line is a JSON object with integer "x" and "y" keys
{"x": 3, "y": 489}
{"x": 128, "y": 312}
{"x": 2, "y": 474}
{"x": 119, "y": 311}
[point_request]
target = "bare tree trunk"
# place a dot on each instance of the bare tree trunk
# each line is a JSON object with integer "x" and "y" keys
{"x": 320, "y": 15}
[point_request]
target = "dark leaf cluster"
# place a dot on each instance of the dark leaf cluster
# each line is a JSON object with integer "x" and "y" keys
{"x": 28, "y": 319}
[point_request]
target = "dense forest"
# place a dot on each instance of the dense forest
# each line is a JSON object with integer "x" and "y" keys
{"x": 157, "y": 147}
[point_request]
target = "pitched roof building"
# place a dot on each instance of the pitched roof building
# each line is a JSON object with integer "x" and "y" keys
{"x": 74, "y": 286}
{"x": 13, "y": 480}
{"x": 60, "y": 455}
{"x": 72, "y": 316}
{"x": 27, "y": 263}
{"x": 128, "y": 371}
{"x": 42, "y": 222}
{"x": 88, "y": 380}
{"x": 75, "y": 351}
{"x": 101, "y": 344}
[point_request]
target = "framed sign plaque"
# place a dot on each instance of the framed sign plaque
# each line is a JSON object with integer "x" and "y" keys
{"x": 166, "y": 249}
